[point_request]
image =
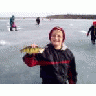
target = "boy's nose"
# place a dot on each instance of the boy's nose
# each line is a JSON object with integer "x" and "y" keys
{"x": 56, "y": 37}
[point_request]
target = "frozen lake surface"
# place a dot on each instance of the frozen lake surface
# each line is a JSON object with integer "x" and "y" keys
{"x": 14, "y": 71}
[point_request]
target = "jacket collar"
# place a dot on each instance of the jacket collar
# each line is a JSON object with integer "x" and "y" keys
{"x": 64, "y": 47}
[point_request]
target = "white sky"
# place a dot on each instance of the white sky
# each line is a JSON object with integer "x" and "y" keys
{"x": 32, "y": 8}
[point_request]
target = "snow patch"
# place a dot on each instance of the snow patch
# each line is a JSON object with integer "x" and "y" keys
{"x": 3, "y": 42}
{"x": 83, "y": 31}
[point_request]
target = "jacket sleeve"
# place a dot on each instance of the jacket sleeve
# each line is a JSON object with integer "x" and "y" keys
{"x": 72, "y": 74}
{"x": 90, "y": 29}
{"x": 36, "y": 59}
{"x": 30, "y": 60}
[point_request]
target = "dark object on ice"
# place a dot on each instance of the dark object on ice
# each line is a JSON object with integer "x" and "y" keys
{"x": 38, "y": 20}
{"x": 92, "y": 29}
{"x": 12, "y": 23}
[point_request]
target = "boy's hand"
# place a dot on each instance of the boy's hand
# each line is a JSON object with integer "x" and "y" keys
{"x": 34, "y": 45}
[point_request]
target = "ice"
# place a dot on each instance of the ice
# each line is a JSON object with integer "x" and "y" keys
{"x": 13, "y": 69}
{"x": 3, "y": 42}
{"x": 71, "y": 24}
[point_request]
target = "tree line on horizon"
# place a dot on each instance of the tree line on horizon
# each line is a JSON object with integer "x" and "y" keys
{"x": 71, "y": 16}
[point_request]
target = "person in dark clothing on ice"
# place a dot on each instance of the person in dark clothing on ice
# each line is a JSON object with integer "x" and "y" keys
{"x": 57, "y": 62}
{"x": 12, "y": 23}
{"x": 92, "y": 29}
{"x": 38, "y": 20}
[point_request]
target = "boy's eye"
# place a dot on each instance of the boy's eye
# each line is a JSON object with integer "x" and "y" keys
{"x": 57, "y": 36}
{"x": 53, "y": 35}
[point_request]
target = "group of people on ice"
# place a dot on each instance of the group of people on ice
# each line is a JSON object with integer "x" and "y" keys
{"x": 13, "y": 25}
{"x": 92, "y": 29}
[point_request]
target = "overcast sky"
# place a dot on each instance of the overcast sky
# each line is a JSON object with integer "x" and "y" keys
{"x": 32, "y": 8}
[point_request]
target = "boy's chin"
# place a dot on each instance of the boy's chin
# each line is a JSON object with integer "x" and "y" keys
{"x": 56, "y": 44}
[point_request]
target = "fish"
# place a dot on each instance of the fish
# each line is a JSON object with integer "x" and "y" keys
{"x": 30, "y": 50}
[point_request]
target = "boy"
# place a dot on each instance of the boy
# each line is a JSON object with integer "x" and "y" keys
{"x": 57, "y": 63}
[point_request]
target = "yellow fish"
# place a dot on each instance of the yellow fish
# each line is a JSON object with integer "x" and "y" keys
{"x": 31, "y": 50}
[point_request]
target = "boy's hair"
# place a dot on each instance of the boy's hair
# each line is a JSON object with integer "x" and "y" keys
{"x": 57, "y": 28}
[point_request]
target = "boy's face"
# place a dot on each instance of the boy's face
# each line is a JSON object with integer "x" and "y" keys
{"x": 57, "y": 38}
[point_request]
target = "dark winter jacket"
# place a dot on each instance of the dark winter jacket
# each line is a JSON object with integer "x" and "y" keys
{"x": 11, "y": 20}
{"x": 92, "y": 29}
{"x": 38, "y": 20}
{"x": 54, "y": 64}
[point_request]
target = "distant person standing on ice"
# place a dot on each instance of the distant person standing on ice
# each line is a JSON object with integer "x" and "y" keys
{"x": 12, "y": 23}
{"x": 57, "y": 62}
{"x": 38, "y": 20}
{"x": 92, "y": 29}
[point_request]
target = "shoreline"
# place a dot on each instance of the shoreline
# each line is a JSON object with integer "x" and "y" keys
{"x": 70, "y": 16}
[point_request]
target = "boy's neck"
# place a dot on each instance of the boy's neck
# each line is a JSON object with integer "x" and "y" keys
{"x": 57, "y": 47}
